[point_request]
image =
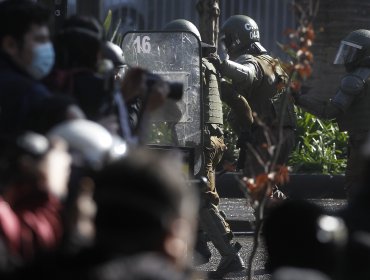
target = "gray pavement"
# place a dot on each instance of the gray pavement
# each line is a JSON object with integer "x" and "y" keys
{"x": 240, "y": 210}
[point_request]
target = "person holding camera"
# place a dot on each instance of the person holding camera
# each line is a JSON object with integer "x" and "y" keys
{"x": 84, "y": 74}
{"x": 142, "y": 91}
{"x": 142, "y": 95}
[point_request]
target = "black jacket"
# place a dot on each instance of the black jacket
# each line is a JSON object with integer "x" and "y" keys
{"x": 20, "y": 97}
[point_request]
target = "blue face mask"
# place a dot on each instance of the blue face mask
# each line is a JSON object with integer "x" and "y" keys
{"x": 42, "y": 62}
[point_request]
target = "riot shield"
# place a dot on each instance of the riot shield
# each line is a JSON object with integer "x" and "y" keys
{"x": 176, "y": 57}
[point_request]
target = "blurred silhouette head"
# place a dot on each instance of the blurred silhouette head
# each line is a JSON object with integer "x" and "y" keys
{"x": 79, "y": 42}
{"x": 299, "y": 234}
{"x": 145, "y": 205}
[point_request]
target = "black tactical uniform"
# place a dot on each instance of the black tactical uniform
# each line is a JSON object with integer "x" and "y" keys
{"x": 212, "y": 222}
{"x": 350, "y": 106}
{"x": 262, "y": 81}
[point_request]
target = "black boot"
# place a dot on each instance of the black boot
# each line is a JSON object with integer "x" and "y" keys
{"x": 202, "y": 253}
{"x": 214, "y": 225}
{"x": 229, "y": 264}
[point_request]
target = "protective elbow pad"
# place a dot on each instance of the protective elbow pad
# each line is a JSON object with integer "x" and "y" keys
{"x": 237, "y": 72}
{"x": 350, "y": 86}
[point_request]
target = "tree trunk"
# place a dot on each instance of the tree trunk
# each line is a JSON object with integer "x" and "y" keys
{"x": 335, "y": 19}
{"x": 209, "y": 13}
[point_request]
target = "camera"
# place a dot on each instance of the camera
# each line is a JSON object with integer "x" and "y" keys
{"x": 176, "y": 88}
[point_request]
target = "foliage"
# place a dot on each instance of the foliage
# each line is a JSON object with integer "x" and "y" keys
{"x": 229, "y": 135}
{"x": 162, "y": 133}
{"x": 115, "y": 38}
{"x": 107, "y": 22}
{"x": 321, "y": 147}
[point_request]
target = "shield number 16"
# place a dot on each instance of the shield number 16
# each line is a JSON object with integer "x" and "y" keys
{"x": 142, "y": 44}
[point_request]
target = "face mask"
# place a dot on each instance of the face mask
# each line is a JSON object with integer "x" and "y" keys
{"x": 42, "y": 62}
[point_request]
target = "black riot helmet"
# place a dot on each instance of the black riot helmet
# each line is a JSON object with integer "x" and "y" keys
{"x": 354, "y": 49}
{"x": 114, "y": 53}
{"x": 185, "y": 25}
{"x": 240, "y": 34}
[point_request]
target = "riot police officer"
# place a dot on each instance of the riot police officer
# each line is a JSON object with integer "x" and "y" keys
{"x": 261, "y": 80}
{"x": 212, "y": 221}
{"x": 350, "y": 106}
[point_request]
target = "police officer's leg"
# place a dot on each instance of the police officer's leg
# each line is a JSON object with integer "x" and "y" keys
{"x": 211, "y": 220}
{"x": 208, "y": 193}
{"x": 202, "y": 252}
{"x": 213, "y": 223}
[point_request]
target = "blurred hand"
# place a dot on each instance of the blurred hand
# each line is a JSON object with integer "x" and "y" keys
{"x": 110, "y": 123}
{"x": 55, "y": 168}
{"x": 157, "y": 95}
{"x": 133, "y": 83}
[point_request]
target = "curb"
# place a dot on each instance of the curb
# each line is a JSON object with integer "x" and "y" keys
{"x": 300, "y": 186}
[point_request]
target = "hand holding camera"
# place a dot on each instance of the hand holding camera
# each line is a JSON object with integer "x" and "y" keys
{"x": 139, "y": 82}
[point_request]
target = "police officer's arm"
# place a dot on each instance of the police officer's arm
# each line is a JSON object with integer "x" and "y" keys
{"x": 351, "y": 86}
{"x": 237, "y": 103}
{"x": 239, "y": 73}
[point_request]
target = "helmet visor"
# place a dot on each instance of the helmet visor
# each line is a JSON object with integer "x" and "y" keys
{"x": 347, "y": 53}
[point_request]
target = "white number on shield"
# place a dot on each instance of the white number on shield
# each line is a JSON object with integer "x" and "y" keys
{"x": 142, "y": 45}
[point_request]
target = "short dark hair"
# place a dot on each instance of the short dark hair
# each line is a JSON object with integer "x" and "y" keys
{"x": 17, "y": 16}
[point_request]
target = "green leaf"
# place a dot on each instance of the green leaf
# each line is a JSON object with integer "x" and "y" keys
{"x": 108, "y": 22}
{"x": 321, "y": 147}
{"x": 116, "y": 30}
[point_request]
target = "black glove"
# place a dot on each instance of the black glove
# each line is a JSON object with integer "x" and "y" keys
{"x": 215, "y": 60}
{"x": 295, "y": 95}
{"x": 244, "y": 137}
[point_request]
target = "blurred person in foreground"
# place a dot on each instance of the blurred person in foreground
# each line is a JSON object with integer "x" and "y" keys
{"x": 138, "y": 90}
{"x": 356, "y": 215}
{"x": 89, "y": 75}
{"x": 26, "y": 57}
{"x": 304, "y": 242}
{"x": 143, "y": 224}
{"x": 34, "y": 172}
{"x": 161, "y": 209}
{"x": 78, "y": 47}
